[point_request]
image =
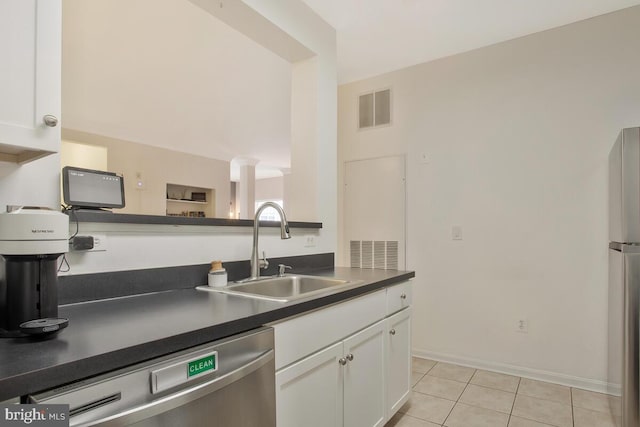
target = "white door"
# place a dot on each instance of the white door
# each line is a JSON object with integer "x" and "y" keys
{"x": 374, "y": 213}
{"x": 30, "y": 75}
{"x": 309, "y": 392}
{"x": 364, "y": 388}
{"x": 398, "y": 352}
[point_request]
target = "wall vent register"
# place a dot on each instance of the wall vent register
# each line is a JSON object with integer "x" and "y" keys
{"x": 380, "y": 254}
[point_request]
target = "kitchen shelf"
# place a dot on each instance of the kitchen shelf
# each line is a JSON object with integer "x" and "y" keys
{"x": 180, "y": 201}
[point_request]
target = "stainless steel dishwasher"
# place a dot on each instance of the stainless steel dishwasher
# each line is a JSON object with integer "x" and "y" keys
{"x": 227, "y": 383}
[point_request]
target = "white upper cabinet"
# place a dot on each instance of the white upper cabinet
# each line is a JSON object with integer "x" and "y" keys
{"x": 30, "y": 76}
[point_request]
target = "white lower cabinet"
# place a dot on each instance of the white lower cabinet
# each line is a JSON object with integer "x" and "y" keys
{"x": 398, "y": 360}
{"x": 309, "y": 392}
{"x": 364, "y": 378}
{"x": 359, "y": 381}
{"x": 340, "y": 385}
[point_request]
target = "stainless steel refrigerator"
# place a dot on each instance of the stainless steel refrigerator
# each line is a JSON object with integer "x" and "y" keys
{"x": 624, "y": 277}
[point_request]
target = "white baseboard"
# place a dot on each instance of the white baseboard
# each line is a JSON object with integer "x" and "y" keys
{"x": 518, "y": 371}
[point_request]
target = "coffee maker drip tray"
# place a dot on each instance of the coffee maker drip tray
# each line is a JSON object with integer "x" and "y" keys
{"x": 37, "y": 328}
{"x": 43, "y": 327}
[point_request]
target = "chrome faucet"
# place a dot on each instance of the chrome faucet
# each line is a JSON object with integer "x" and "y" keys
{"x": 256, "y": 262}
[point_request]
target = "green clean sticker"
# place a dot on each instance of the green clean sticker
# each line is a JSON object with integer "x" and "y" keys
{"x": 202, "y": 365}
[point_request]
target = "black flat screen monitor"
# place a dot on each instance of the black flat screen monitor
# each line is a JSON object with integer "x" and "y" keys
{"x": 86, "y": 188}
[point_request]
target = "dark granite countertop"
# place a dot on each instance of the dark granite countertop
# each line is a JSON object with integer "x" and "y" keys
{"x": 110, "y": 334}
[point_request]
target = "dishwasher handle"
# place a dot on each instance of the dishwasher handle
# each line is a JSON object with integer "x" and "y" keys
{"x": 181, "y": 397}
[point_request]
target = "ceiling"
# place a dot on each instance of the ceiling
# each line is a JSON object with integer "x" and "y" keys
{"x": 378, "y": 36}
{"x": 167, "y": 73}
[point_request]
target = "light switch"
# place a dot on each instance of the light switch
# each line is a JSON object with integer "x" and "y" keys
{"x": 456, "y": 232}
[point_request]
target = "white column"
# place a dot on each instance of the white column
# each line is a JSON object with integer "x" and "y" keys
{"x": 301, "y": 186}
{"x": 247, "y": 188}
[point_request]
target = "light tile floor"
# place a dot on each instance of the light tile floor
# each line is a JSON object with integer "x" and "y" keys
{"x": 457, "y": 396}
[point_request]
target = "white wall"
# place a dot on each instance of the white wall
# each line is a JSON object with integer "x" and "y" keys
{"x": 38, "y": 182}
{"x": 83, "y": 156}
{"x": 135, "y": 246}
{"x": 270, "y": 188}
{"x": 517, "y": 136}
{"x": 311, "y": 188}
{"x": 158, "y": 167}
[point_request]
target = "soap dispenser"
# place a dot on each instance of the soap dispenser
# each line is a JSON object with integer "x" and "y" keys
{"x": 217, "y": 275}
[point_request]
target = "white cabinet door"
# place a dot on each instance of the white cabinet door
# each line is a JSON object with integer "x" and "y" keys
{"x": 398, "y": 360}
{"x": 364, "y": 377}
{"x": 30, "y": 75}
{"x": 309, "y": 392}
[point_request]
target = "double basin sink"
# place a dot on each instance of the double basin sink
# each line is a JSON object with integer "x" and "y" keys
{"x": 287, "y": 288}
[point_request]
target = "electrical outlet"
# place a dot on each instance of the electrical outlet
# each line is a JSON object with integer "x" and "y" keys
{"x": 309, "y": 241}
{"x": 522, "y": 326}
{"x": 99, "y": 243}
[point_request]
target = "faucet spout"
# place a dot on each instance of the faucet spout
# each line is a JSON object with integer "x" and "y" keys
{"x": 256, "y": 262}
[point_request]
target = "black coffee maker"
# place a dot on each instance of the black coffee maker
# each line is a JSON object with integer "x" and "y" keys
{"x": 31, "y": 241}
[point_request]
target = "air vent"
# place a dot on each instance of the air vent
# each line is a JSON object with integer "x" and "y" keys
{"x": 374, "y": 109}
{"x": 392, "y": 255}
{"x": 374, "y": 254}
{"x": 366, "y": 111}
{"x": 367, "y": 254}
{"x": 355, "y": 253}
{"x": 378, "y": 254}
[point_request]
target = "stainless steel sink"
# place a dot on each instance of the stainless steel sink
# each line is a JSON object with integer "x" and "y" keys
{"x": 287, "y": 288}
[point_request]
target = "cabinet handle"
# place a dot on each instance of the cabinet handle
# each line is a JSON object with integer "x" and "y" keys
{"x": 51, "y": 121}
{"x": 403, "y": 296}
{"x": 342, "y": 361}
{"x": 349, "y": 357}
{"x": 392, "y": 332}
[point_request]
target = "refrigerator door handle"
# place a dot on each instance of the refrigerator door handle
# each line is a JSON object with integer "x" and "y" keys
{"x": 624, "y": 248}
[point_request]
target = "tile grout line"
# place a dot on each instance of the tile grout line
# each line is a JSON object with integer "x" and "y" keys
{"x": 514, "y": 401}
{"x": 415, "y": 391}
{"x": 456, "y": 402}
{"x": 445, "y": 419}
{"x": 478, "y": 406}
{"x": 469, "y": 383}
{"x": 532, "y": 397}
{"x": 573, "y": 418}
{"x": 458, "y": 399}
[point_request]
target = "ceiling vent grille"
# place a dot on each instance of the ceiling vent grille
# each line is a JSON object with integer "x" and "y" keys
{"x": 374, "y": 254}
{"x": 374, "y": 109}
